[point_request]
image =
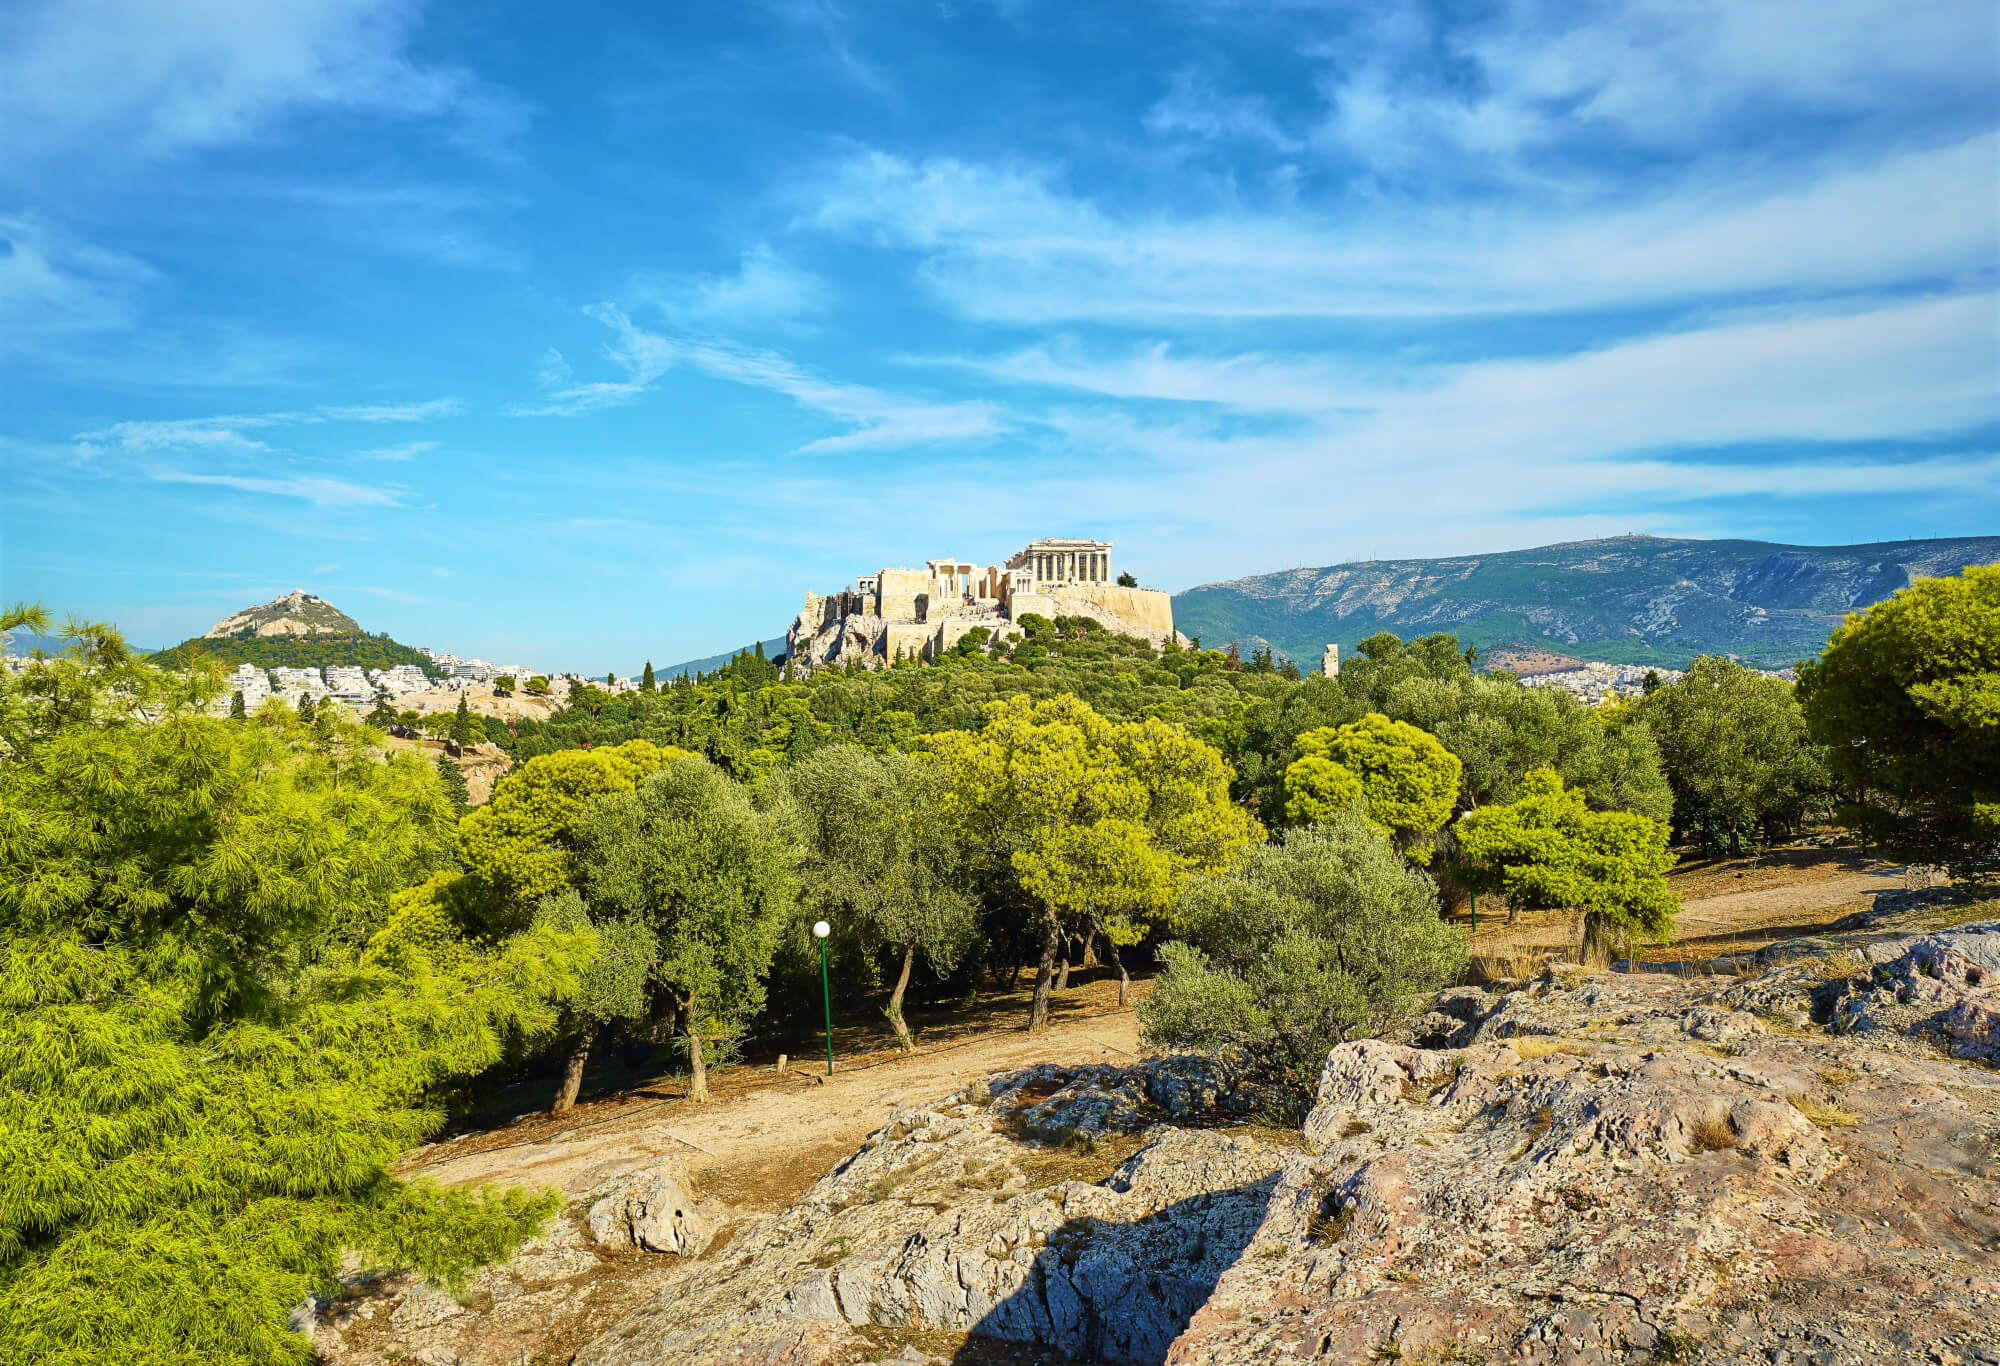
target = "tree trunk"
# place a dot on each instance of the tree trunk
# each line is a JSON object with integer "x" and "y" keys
{"x": 1124, "y": 980}
{"x": 572, "y": 1077}
{"x": 697, "y": 1065}
{"x": 1090, "y": 951}
{"x": 1062, "y": 977}
{"x": 1045, "y": 974}
{"x": 896, "y": 1001}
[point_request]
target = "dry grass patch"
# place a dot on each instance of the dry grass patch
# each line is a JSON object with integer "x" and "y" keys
{"x": 1825, "y": 1113}
{"x": 1091, "y": 1163}
{"x": 1713, "y": 1134}
{"x": 1833, "y": 1078}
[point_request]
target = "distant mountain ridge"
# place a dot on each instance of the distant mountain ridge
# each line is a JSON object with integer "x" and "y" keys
{"x": 1625, "y": 599}
{"x": 772, "y": 649}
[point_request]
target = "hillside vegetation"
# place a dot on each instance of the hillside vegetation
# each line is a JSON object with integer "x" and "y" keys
{"x": 298, "y": 652}
{"x": 1628, "y": 599}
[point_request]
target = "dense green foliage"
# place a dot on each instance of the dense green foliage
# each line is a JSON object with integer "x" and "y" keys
{"x": 1092, "y": 822}
{"x": 521, "y": 844}
{"x": 876, "y": 860}
{"x": 295, "y": 652}
{"x": 1549, "y": 849}
{"x": 216, "y": 1031}
{"x": 748, "y": 721}
{"x": 1402, "y": 779}
{"x": 1736, "y": 753}
{"x": 686, "y": 857}
{"x": 1305, "y": 944}
{"x": 1906, "y": 700}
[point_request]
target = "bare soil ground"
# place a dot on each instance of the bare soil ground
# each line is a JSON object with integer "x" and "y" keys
{"x": 1728, "y": 905}
{"x": 768, "y": 1135}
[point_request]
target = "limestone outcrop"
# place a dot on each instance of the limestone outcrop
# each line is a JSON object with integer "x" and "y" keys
{"x": 1579, "y": 1168}
{"x": 1582, "y": 1168}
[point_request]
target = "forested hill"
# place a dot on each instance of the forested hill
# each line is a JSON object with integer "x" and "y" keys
{"x": 772, "y": 649}
{"x": 1636, "y": 599}
{"x": 297, "y": 652}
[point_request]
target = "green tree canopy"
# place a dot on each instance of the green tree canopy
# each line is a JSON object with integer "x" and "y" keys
{"x": 686, "y": 856}
{"x": 1736, "y": 753}
{"x": 1304, "y": 944}
{"x": 1549, "y": 849}
{"x": 876, "y": 858}
{"x": 1405, "y": 781}
{"x": 210, "y": 1055}
{"x": 1906, "y": 699}
{"x": 1020, "y": 788}
{"x": 521, "y": 844}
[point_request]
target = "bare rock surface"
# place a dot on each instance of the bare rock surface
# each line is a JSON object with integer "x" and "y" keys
{"x": 1797, "y": 1164}
{"x": 1017, "y": 1219}
{"x": 1629, "y": 1168}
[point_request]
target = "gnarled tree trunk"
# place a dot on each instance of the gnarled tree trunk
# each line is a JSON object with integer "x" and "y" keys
{"x": 1045, "y": 974}
{"x": 697, "y": 1065}
{"x": 895, "y": 1011}
{"x": 1124, "y": 979}
{"x": 572, "y": 1075}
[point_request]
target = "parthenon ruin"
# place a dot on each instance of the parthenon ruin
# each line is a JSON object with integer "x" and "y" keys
{"x": 917, "y": 613}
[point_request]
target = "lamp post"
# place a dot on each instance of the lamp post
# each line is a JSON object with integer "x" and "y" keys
{"x": 820, "y": 931}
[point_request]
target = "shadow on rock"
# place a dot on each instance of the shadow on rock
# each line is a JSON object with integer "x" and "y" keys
{"x": 1122, "y": 1292}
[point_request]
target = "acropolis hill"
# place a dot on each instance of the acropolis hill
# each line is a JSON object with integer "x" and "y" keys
{"x": 919, "y": 613}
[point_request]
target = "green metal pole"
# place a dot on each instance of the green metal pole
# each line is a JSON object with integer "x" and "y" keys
{"x": 826, "y": 994}
{"x": 1475, "y": 913}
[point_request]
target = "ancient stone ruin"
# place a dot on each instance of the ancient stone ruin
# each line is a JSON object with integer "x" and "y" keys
{"x": 897, "y": 614}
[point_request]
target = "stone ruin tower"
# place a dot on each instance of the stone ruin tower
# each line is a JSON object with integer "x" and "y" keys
{"x": 1329, "y": 663}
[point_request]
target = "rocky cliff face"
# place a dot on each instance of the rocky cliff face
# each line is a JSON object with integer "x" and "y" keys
{"x": 298, "y": 613}
{"x": 1798, "y": 1163}
{"x": 1627, "y": 599}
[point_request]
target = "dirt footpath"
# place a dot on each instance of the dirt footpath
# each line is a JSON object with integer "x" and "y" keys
{"x": 773, "y": 1134}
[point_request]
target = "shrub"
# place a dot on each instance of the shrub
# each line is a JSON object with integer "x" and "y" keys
{"x": 1327, "y": 937}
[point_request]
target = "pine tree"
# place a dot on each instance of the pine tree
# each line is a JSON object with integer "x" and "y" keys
{"x": 453, "y": 778}
{"x": 465, "y": 731}
{"x": 646, "y": 679}
{"x": 236, "y": 712}
{"x": 214, "y": 1048}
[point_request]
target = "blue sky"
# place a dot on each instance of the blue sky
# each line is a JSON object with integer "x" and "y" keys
{"x": 595, "y": 333}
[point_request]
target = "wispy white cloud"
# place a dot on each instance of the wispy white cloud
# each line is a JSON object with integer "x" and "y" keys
{"x": 408, "y": 450}
{"x": 227, "y": 430}
{"x": 1007, "y": 244}
{"x": 1196, "y": 107}
{"x": 878, "y": 419}
{"x": 765, "y": 288}
{"x": 387, "y": 412}
{"x": 1674, "y": 76}
{"x": 320, "y": 491}
{"x": 120, "y": 77}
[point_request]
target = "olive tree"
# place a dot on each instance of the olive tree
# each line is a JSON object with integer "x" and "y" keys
{"x": 686, "y": 856}
{"x": 1326, "y": 937}
{"x": 875, "y": 857}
